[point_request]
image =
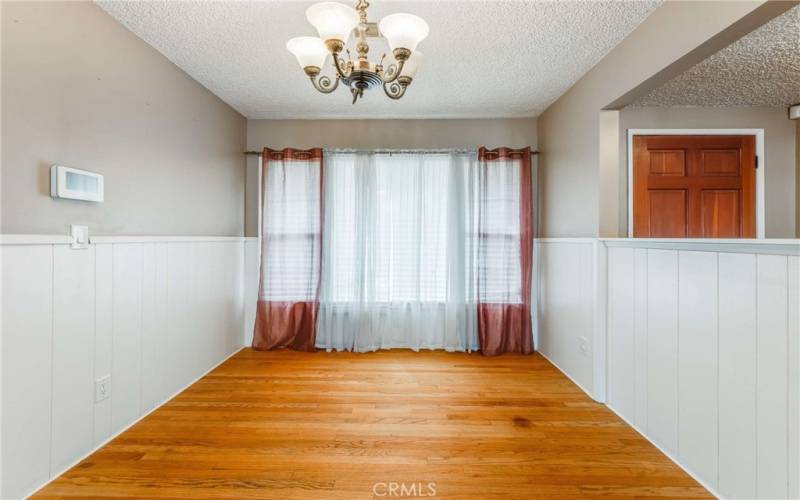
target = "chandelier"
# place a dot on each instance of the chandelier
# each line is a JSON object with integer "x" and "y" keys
{"x": 335, "y": 22}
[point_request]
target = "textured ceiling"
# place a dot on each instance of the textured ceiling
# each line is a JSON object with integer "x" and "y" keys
{"x": 760, "y": 69}
{"x": 482, "y": 58}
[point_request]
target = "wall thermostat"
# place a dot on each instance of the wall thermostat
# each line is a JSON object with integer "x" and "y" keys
{"x": 74, "y": 184}
{"x": 794, "y": 112}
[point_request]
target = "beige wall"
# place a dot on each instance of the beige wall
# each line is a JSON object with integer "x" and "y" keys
{"x": 797, "y": 179}
{"x": 389, "y": 134}
{"x": 574, "y": 198}
{"x": 779, "y": 152}
{"x": 79, "y": 89}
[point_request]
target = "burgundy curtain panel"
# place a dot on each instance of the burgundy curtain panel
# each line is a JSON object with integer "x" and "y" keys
{"x": 291, "y": 246}
{"x": 505, "y": 251}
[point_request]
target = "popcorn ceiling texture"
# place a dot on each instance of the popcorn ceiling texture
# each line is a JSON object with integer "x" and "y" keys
{"x": 760, "y": 69}
{"x": 483, "y": 59}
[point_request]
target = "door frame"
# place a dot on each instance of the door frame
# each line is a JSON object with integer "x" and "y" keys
{"x": 762, "y": 164}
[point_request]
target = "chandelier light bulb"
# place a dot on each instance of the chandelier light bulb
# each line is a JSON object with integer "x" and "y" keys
{"x": 333, "y": 20}
{"x": 403, "y": 31}
{"x": 309, "y": 51}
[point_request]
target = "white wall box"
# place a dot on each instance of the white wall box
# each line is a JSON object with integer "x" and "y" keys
{"x": 75, "y": 184}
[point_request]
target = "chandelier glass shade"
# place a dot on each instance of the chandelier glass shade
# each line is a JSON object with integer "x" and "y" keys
{"x": 403, "y": 31}
{"x": 333, "y": 21}
{"x": 336, "y": 23}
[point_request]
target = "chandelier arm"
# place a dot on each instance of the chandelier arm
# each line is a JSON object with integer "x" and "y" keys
{"x": 341, "y": 66}
{"x": 394, "y": 90}
{"x": 324, "y": 84}
{"x": 394, "y": 70}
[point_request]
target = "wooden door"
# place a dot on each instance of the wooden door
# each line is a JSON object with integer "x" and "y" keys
{"x": 694, "y": 186}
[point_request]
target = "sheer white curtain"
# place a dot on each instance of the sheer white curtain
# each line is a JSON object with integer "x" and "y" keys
{"x": 399, "y": 260}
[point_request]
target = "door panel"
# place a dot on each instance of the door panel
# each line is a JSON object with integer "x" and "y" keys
{"x": 720, "y": 162}
{"x": 668, "y": 162}
{"x": 668, "y": 212}
{"x": 721, "y": 213}
{"x": 694, "y": 186}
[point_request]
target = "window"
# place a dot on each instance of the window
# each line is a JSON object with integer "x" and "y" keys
{"x": 403, "y": 228}
{"x": 499, "y": 278}
{"x": 398, "y": 228}
{"x": 377, "y": 250}
{"x": 389, "y": 218}
{"x": 292, "y": 232}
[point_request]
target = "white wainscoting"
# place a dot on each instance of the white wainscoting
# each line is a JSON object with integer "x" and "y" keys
{"x": 566, "y": 307}
{"x": 252, "y": 266}
{"x": 703, "y": 356}
{"x": 695, "y": 344}
{"x": 154, "y": 313}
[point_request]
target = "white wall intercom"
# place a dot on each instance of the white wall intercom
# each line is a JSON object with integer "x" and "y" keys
{"x": 75, "y": 184}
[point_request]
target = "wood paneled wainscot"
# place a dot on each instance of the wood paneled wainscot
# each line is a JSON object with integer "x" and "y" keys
{"x": 703, "y": 356}
{"x": 152, "y": 313}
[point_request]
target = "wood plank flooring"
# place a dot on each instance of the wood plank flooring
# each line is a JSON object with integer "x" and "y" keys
{"x": 289, "y": 425}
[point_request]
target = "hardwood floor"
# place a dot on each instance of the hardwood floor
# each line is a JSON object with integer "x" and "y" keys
{"x": 289, "y": 425}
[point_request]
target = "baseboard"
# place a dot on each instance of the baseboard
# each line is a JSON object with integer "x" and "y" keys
{"x": 111, "y": 438}
{"x": 634, "y": 427}
{"x": 427, "y": 347}
{"x": 580, "y": 386}
{"x": 667, "y": 454}
{"x": 638, "y": 430}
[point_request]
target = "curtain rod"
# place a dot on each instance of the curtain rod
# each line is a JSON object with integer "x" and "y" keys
{"x": 396, "y": 151}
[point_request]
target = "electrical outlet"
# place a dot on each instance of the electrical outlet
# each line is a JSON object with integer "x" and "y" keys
{"x": 102, "y": 388}
{"x": 583, "y": 345}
